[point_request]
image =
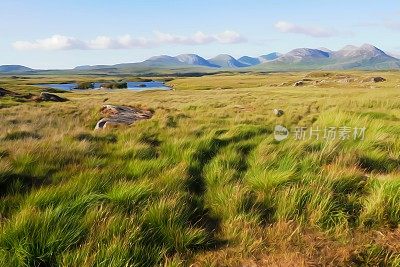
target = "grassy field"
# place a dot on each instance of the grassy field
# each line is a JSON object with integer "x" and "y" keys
{"x": 203, "y": 182}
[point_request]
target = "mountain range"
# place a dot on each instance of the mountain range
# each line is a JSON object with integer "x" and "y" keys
{"x": 365, "y": 57}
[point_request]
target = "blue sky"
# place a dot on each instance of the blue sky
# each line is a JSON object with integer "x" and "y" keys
{"x": 63, "y": 34}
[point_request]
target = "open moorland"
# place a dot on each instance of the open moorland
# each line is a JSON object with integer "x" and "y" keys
{"x": 203, "y": 182}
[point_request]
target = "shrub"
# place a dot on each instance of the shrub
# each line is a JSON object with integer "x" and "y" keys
{"x": 85, "y": 85}
{"x": 114, "y": 85}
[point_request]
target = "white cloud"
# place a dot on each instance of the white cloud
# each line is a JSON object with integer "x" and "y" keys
{"x": 319, "y": 32}
{"x": 230, "y": 37}
{"x": 56, "y": 42}
{"x": 201, "y": 38}
{"x": 59, "y": 42}
{"x": 226, "y": 37}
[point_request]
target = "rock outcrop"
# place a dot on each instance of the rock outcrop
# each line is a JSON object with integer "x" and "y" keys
{"x": 121, "y": 115}
{"x": 44, "y": 96}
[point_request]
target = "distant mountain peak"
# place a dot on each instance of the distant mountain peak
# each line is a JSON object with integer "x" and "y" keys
{"x": 270, "y": 56}
{"x": 250, "y": 61}
{"x": 366, "y": 51}
{"x": 227, "y": 61}
{"x": 193, "y": 59}
{"x": 303, "y": 54}
{"x": 368, "y": 46}
{"x": 324, "y": 49}
{"x": 224, "y": 56}
{"x": 160, "y": 57}
{"x": 162, "y": 60}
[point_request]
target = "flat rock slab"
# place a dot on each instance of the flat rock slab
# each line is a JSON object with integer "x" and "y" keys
{"x": 121, "y": 115}
{"x": 44, "y": 96}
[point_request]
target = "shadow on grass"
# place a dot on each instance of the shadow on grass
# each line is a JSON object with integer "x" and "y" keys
{"x": 108, "y": 138}
{"x": 385, "y": 165}
{"x": 19, "y": 135}
{"x": 13, "y": 183}
{"x": 196, "y": 184}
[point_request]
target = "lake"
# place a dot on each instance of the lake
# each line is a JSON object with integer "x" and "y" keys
{"x": 131, "y": 86}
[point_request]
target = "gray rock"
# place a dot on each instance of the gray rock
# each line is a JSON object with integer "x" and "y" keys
{"x": 278, "y": 112}
{"x": 44, "y": 96}
{"x": 121, "y": 115}
{"x": 378, "y": 79}
{"x": 375, "y": 79}
{"x": 299, "y": 83}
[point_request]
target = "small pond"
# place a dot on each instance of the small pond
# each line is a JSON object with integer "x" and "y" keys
{"x": 131, "y": 86}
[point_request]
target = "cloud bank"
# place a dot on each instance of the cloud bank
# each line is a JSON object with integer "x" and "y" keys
{"x": 60, "y": 42}
{"x": 318, "y": 32}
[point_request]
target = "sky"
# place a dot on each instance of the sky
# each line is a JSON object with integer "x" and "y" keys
{"x": 48, "y": 34}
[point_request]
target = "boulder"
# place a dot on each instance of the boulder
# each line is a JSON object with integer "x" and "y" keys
{"x": 299, "y": 83}
{"x": 375, "y": 79}
{"x": 121, "y": 115}
{"x": 378, "y": 79}
{"x": 278, "y": 112}
{"x": 44, "y": 96}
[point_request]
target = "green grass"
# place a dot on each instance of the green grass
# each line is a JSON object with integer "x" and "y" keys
{"x": 203, "y": 181}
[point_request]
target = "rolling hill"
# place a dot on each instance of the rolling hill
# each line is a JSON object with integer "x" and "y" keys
{"x": 14, "y": 69}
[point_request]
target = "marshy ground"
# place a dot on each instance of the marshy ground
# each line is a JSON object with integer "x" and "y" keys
{"x": 203, "y": 181}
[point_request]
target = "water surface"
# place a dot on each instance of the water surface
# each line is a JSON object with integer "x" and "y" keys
{"x": 131, "y": 86}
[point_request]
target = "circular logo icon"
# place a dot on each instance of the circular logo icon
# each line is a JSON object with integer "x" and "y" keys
{"x": 280, "y": 133}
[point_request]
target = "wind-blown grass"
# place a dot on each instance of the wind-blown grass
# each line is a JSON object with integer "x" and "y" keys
{"x": 203, "y": 182}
